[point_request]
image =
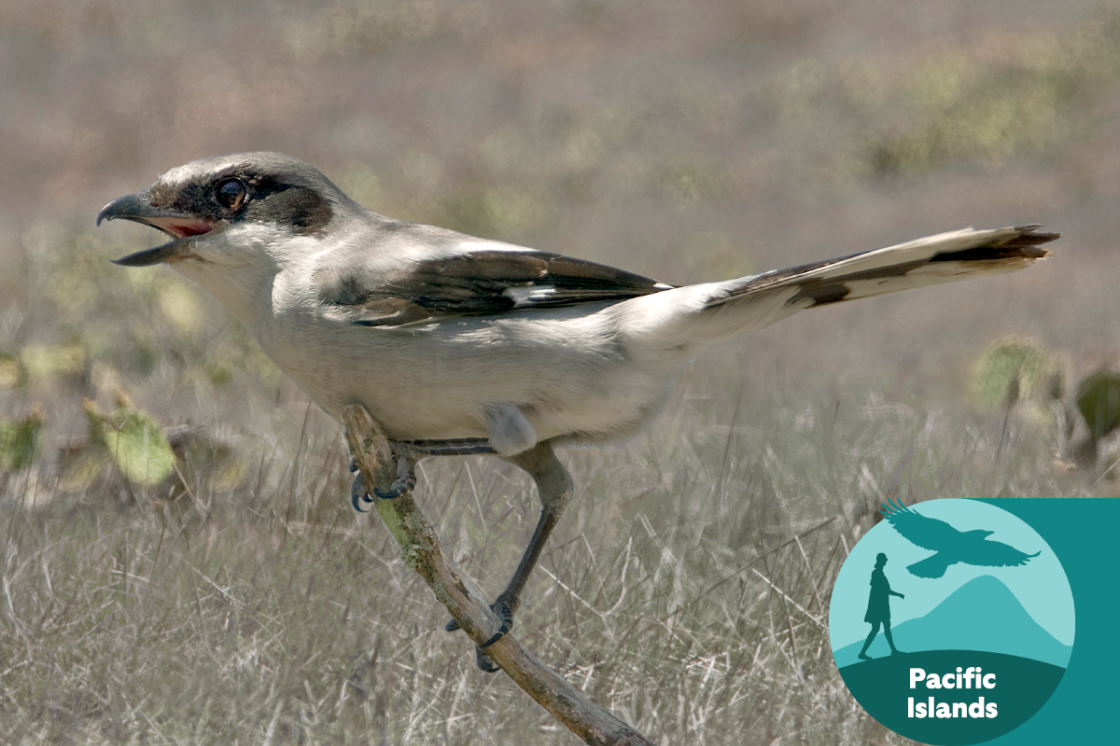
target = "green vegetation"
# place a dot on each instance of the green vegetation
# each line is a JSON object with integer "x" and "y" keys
{"x": 1014, "y": 370}
{"x": 19, "y": 442}
{"x": 134, "y": 441}
{"x": 1022, "y": 375}
{"x": 1098, "y": 401}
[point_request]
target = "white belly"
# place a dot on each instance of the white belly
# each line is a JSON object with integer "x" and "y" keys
{"x": 569, "y": 375}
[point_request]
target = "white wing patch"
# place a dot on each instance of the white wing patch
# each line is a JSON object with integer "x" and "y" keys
{"x": 529, "y": 296}
{"x": 468, "y": 247}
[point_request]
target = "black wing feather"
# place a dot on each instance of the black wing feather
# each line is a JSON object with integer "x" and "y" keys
{"x": 479, "y": 283}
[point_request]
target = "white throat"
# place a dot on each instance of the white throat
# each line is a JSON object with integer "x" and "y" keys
{"x": 239, "y": 266}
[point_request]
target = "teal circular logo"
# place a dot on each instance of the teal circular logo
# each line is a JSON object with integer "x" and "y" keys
{"x": 951, "y": 621}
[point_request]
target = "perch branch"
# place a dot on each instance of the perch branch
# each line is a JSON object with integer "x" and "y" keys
{"x": 420, "y": 550}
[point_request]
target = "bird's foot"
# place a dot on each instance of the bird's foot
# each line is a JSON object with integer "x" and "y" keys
{"x": 485, "y": 662}
{"x": 865, "y": 657}
{"x": 407, "y": 453}
{"x": 896, "y": 651}
{"x": 406, "y": 480}
{"x": 406, "y": 477}
{"x": 359, "y": 494}
{"x": 503, "y": 606}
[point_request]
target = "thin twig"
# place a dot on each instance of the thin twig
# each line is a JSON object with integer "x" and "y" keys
{"x": 421, "y": 550}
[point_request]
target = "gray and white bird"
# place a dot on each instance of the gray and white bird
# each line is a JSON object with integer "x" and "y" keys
{"x": 461, "y": 344}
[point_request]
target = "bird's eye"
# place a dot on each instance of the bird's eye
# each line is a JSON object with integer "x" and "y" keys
{"x": 230, "y": 194}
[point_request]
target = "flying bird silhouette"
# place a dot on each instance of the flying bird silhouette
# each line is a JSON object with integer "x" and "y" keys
{"x": 951, "y": 546}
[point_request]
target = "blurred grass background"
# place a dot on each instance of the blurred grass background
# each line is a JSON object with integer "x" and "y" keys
{"x": 180, "y": 563}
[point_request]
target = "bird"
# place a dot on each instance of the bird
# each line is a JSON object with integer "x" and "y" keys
{"x": 457, "y": 344}
{"x": 950, "y": 545}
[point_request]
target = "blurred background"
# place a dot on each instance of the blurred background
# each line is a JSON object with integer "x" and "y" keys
{"x": 683, "y": 141}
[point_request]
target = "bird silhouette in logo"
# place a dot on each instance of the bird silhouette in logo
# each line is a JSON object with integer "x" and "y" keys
{"x": 951, "y": 546}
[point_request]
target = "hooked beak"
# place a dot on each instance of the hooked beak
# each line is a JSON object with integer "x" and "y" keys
{"x": 138, "y": 207}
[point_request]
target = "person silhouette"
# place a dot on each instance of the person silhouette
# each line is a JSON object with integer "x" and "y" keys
{"x": 879, "y": 607}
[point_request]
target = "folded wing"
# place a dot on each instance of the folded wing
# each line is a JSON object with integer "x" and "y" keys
{"x": 479, "y": 282}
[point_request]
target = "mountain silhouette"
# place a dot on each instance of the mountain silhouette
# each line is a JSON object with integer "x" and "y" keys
{"x": 983, "y": 614}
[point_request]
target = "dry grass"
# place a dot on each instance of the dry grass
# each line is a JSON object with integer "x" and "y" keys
{"x": 687, "y": 589}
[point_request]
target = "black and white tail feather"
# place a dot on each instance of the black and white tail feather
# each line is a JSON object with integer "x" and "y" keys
{"x": 695, "y": 316}
{"x": 945, "y": 257}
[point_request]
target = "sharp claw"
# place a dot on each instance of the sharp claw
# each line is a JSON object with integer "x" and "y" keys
{"x": 388, "y": 494}
{"x": 397, "y": 489}
{"x": 358, "y": 493}
{"x": 406, "y": 480}
{"x": 407, "y": 452}
{"x": 484, "y": 661}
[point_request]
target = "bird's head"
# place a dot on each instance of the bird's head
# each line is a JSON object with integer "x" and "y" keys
{"x": 215, "y": 208}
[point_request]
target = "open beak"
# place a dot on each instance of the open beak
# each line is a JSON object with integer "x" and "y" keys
{"x": 138, "y": 207}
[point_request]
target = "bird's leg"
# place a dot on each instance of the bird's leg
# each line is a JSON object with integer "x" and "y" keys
{"x": 408, "y": 452}
{"x": 554, "y": 486}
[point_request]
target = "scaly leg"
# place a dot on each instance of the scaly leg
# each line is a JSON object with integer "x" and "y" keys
{"x": 554, "y": 486}
{"x": 408, "y": 452}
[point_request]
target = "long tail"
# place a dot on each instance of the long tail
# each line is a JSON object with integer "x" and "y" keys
{"x": 946, "y": 257}
{"x": 691, "y": 317}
